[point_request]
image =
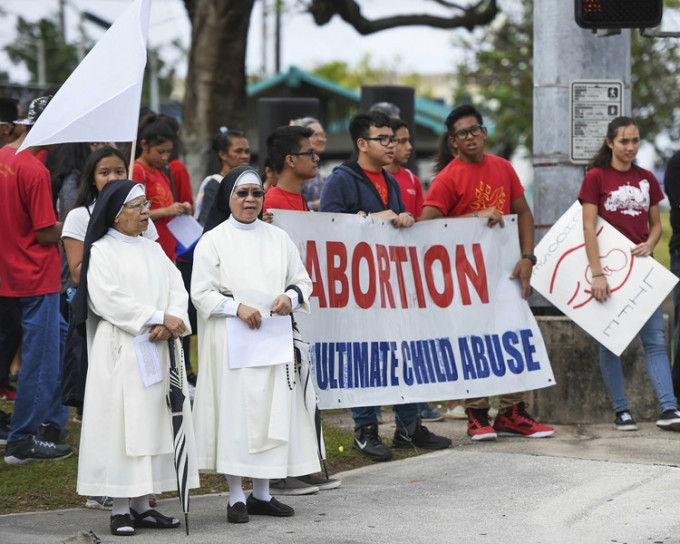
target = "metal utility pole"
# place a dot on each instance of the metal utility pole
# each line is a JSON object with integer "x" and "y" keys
{"x": 277, "y": 53}
{"x": 564, "y": 52}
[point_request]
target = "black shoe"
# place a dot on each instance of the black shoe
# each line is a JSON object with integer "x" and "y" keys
{"x": 153, "y": 520}
{"x": 121, "y": 525}
{"x": 49, "y": 433}
{"x": 624, "y": 421}
{"x": 421, "y": 438}
{"x": 256, "y": 507}
{"x": 191, "y": 378}
{"x": 237, "y": 513}
{"x": 31, "y": 449}
{"x": 367, "y": 441}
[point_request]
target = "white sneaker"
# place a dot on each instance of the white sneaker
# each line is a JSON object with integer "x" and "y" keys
{"x": 456, "y": 413}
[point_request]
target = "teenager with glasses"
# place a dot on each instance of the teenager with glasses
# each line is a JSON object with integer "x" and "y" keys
{"x": 364, "y": 187}
{"x": 477, "y": 184}
{"x": 292, "y": 156}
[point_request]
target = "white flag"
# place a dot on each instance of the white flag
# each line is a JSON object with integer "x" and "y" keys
{"x": 100, "y": 100}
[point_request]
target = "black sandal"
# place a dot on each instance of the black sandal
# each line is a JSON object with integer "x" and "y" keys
{"x": 122, "y": 525}
{"x": 151, "y": 519}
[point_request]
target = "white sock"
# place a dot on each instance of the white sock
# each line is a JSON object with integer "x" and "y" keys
{"x": 120, "y": 506}
{"x": 236, "y": 493}
{"x": 261, "y": 489}
{"x": 140, "y": 504}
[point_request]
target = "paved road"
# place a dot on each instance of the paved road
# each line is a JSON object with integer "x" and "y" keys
{"x": 588, "y": 484}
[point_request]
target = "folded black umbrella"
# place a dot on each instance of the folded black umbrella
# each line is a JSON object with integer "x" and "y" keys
{"x": 175, "y": 398}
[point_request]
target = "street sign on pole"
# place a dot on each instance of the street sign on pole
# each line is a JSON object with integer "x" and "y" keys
{"x": 593, "y": 104}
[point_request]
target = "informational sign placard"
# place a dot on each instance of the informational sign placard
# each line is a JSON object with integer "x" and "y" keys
{"x": 593, "y": 104}
{"x": 413, "y": 315}
{"x": 562, "y": 275}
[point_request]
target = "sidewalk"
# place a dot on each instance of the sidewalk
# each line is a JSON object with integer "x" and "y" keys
{"x": 587, "y": 484}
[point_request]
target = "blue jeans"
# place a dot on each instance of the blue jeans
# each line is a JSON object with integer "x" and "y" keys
{"x": 404, "y": 415}
{"x": 38, "y": 389}
{"x": 675, "y": 268}
{"x": 658, "y": 368}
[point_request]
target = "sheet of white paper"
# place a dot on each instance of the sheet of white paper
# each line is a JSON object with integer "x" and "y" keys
{"x": 148, "y": 360}
{"x": 271, "y": 344}
{"x": 186, "y": 229}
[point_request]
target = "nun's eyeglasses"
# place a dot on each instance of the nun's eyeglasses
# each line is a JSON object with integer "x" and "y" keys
{"x": 139, "y": 206}
{"x": 243, "y": 193}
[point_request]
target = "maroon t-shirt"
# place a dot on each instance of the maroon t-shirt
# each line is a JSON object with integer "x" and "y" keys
{"x": 623, "y": 199}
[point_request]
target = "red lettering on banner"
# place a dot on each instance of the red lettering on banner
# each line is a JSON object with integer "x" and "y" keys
{"x": 415, "y": 268}
{"x": 398, "y": 257}
{"x": 477, "y": 278}
{"x": 363, "y": 252}
{"x": 439, "y": 253}
{"x": 375, "y": 265}
{"x": 384, "y": 276}
{"x": 336, "y": 252}
{"x": 314, "y": 271}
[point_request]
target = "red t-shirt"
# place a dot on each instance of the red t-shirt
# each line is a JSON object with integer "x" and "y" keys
{"x": 380, "y": 183}
{"x": 463, "y": 187}
{"x": 26, "y": 268}
{"x": 623, "y": 198}
{"x": 159, "y": 193}
{"x": 278, "y": 199}
{"x": 180, "y": 175}
{"x": 411, "y": 191}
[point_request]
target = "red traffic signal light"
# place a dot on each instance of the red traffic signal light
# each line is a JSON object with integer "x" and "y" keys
{"x": 618, "y": 13}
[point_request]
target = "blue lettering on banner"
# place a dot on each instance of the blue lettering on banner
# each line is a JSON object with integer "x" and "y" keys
{"x": 360, "y": 365}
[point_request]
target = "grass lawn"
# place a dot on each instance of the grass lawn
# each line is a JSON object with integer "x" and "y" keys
{"x": 52, "y": 485}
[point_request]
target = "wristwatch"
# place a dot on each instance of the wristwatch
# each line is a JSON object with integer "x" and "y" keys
{"x": 531, "y": 257}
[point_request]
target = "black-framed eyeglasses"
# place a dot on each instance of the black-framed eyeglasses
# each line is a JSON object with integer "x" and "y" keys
{"x": 243, "y": 193}
{"x": 385, "y": 141}
{"x": 309, "y": 152}
{"x": 475, "y": 130}
{"x": 139, "y": 205}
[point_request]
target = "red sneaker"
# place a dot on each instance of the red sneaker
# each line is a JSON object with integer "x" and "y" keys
{"x": 479, "y": 427}
{"x": 8, "y": 393}
{"x": 517, "y": 422}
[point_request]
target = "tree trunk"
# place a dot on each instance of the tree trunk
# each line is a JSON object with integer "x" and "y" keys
{"x": 215, "y": 93}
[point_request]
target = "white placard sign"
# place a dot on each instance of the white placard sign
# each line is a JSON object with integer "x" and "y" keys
{"x": 418, "y": 314}
{"x": 562, "y": 275}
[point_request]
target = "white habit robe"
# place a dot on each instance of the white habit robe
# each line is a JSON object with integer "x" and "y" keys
{"x": 126, "y": 443}
{"x": 249, "y": 421}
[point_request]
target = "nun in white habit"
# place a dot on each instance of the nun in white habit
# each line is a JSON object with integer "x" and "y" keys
{"x": 128, "y": 288}
{"x": 249, "y": 421}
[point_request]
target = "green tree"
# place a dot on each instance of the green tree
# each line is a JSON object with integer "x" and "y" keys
{"x": 41, "y": 43}
{"x": 497, "y": 76}
{"x": 44, "y": 38}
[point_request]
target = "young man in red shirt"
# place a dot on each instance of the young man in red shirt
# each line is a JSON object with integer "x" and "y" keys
{"x": 292, "y": 157}
{"x": 30, "y": 275}
{"x": 477, "y": 184}
{"x": 411, "y": 188}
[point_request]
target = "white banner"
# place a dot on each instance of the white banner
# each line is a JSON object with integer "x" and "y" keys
{"x": 419, "y": 314}
{"x": 562, "y": 275}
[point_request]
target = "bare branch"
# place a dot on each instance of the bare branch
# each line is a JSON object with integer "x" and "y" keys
{"x": 481, "y": 13}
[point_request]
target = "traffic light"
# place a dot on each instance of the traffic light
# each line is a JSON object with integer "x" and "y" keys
{"x": 618, "y": 13}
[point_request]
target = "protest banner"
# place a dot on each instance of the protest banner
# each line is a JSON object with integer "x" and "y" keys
{"x": 419, "y": 314}
{"x": 562, "y": 275}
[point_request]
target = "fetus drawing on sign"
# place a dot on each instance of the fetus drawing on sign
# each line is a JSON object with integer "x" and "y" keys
{"x": 617, "y": 265}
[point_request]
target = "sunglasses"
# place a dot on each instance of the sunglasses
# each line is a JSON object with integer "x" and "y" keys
{"x": 243, "y": 193}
